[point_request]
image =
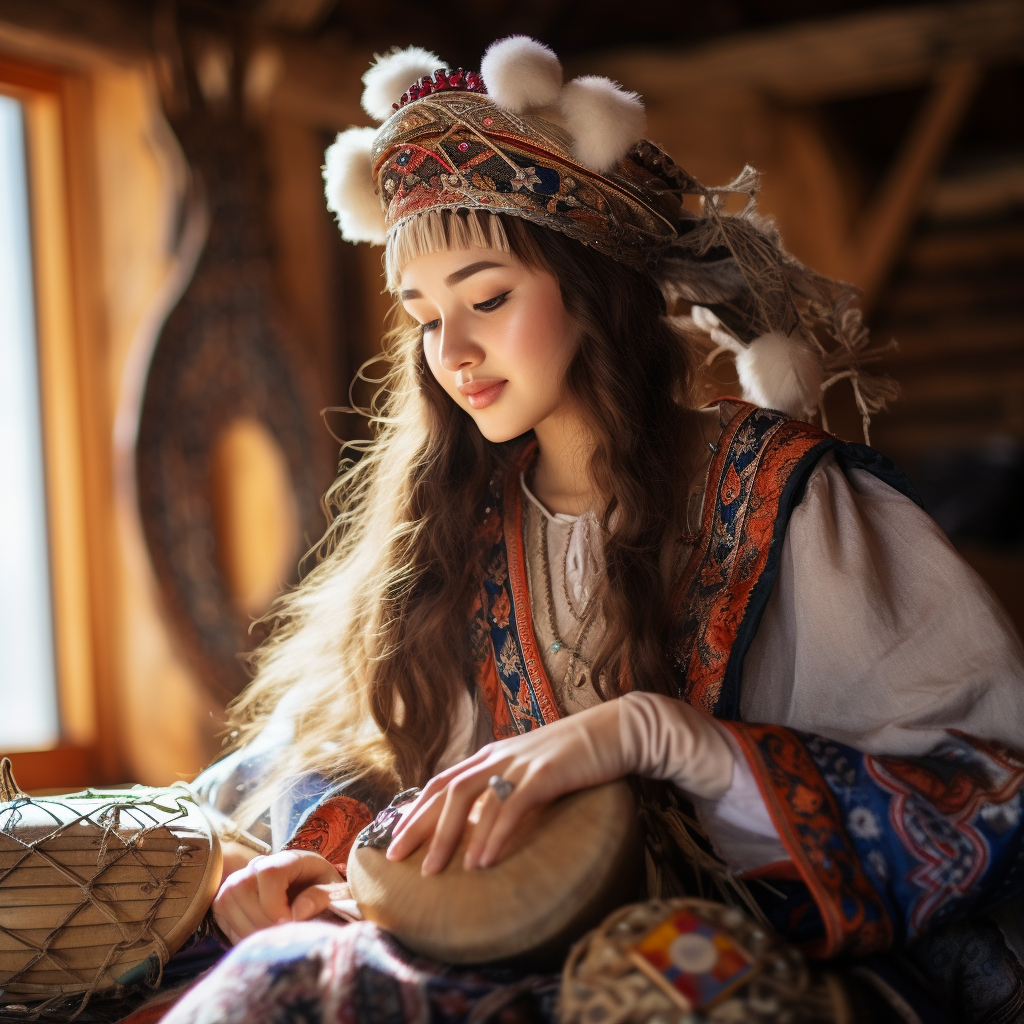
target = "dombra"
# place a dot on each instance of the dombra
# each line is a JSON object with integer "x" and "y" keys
{"x": 566, "y": 868}
{"x": 98, "y": 888}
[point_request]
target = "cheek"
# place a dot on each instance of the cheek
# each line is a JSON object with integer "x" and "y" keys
{"x": 540, "y": 339}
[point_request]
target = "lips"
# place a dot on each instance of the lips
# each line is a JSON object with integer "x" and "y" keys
{"x": 481, "y": 393}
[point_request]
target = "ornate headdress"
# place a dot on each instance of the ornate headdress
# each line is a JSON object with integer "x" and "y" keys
{"x": 515, "y": 140}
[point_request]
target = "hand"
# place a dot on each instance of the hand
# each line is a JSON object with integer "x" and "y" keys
{"x": 260, "y": 894}
{"x": 570, "y": 754}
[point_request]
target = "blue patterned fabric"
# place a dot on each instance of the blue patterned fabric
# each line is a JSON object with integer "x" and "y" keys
{"x": 939, "y": 836}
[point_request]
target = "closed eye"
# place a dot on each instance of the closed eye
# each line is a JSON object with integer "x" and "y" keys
{"x": 491, "y": 304}
{"x": 431, "y": 325}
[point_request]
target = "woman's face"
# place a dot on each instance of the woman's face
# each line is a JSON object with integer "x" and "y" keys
{"x": 495, "y": 334}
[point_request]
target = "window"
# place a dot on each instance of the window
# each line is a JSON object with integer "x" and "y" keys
{"x": 28, "y": 684}
{"x": 47, "y": 686}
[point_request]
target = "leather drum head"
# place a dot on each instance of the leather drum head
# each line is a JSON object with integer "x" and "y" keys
{"x": 568, "y": 866}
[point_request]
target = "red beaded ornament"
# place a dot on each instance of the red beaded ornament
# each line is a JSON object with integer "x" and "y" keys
{"x": 442, "y": 80}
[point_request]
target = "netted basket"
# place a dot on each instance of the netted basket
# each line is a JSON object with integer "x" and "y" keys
{"x": 97, "y": 889}
{"x": 748, "y": 973}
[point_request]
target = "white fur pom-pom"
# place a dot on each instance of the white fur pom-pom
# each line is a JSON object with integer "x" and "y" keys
{"x": 391, "y": 74}
{"x": 603, "y": 119}
{"x": 781, "y": 373}
{"x": 348, "y": 186}
{"x": 520, "y": 73}
{"x": 775, "y": 372}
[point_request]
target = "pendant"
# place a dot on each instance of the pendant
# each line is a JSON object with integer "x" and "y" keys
{"x": 555, "y": 647}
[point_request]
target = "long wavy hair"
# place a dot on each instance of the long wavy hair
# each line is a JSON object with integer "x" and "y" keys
{"x": 361, "y": 657}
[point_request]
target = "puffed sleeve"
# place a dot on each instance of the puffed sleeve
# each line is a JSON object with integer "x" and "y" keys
{"x": 878, "y": 633}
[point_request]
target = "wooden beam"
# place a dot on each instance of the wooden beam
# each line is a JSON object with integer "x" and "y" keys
{"x": 296, "y": 15}
{"x": 76, "y": 33}
{"x": 838, "y": 57}
{"x": 876, "y": 247}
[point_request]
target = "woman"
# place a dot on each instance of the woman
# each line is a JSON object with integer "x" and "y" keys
{"x": 544, "y": 534}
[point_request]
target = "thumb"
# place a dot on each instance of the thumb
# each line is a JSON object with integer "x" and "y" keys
{"x": 318, "y": 898}
{"x": 309, "y": 903}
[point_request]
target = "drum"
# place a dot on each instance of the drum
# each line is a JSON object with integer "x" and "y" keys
{"x": 98, "y": 888}
{"x": 569, "y": 865}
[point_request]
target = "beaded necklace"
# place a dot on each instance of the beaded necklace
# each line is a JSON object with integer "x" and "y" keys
{"x": 586, "y": 618}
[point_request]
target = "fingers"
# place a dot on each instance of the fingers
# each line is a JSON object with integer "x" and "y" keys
{"x": 458, "y": 803}
{"x": 257, "y": 896}
{"x": 272, "y": 884}
{"x": 419, "y": 827}
{"x": 504, "y": 823}
{"x": 485, "y": 812}
{"x": 236, "y": 908}
{"x": 436, "y": 785}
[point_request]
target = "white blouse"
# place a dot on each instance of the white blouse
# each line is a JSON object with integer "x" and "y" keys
{"x": 877, "y": 634}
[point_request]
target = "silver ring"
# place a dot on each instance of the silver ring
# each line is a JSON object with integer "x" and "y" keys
{"x": 502, "y": 787}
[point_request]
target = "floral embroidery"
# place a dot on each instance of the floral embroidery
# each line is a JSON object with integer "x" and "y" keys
{"x": 863, "y": 824}
{"x": 332, "y": 828}
{"x": 808, "y": 819}
{"x": 500, "y": 610}
{"x": 525, "y": 177}
{"x": 730, "y": 572}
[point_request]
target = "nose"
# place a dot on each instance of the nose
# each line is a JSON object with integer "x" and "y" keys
{"x": 458, "y": 351}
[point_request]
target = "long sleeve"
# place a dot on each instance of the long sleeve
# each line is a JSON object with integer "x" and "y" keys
{"x": 882, "y": 705}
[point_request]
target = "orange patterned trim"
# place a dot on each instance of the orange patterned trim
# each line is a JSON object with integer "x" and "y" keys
{"x": 521, "y": 591}
{"x": 750, "y": 477}
{"x": 809, "y": 823}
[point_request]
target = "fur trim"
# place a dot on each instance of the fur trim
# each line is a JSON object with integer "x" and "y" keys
{"x": 391, "y": 74}
{"x": 349, "y": 188}
{"x": 604, "y": 120}
{"x": 520, "y": 73}
{"x": 775, "y": 372}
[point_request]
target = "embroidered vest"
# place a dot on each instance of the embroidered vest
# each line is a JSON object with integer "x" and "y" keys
{"x": 756, "y": 478}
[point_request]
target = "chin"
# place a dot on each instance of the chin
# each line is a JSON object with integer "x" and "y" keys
{"x": 500, "y": 432}
{"x": 501, "y": 436}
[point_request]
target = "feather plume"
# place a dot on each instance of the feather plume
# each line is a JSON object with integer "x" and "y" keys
{"x": 603, "y": 119}
{"x": 349, "y": 188}
{"x": 521, "y": 73}
{"x": 391, "y": 74}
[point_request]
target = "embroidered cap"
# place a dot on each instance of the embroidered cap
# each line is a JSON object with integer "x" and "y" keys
{"x": 514, "y": 139}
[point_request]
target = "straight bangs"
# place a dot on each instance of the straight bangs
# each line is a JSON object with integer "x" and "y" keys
{"x": 450, "y": 230}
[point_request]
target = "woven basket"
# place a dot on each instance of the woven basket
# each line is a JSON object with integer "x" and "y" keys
{"x": 98, "y": 889}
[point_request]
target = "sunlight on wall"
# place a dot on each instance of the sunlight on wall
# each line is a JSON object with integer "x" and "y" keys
{"x": 257, "y": 520}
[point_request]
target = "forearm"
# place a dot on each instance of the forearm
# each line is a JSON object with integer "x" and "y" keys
{"x": 662, "y": 738}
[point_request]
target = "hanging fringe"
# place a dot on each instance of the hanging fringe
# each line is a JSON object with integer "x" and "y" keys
{"x": 677, "y": 853}
{"x": 417, "y": 236}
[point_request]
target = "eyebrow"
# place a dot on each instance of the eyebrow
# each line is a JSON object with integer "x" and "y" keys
{"x": 456, "y": 277}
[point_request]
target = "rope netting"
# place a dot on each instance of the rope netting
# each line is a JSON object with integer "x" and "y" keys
{"x": 97, "y": 890}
